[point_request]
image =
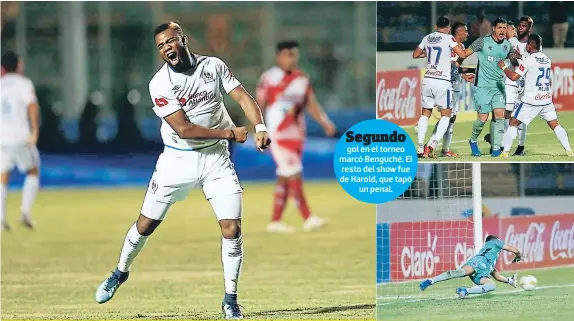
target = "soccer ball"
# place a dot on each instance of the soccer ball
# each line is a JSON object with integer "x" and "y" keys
{"x": 528, "y": 282}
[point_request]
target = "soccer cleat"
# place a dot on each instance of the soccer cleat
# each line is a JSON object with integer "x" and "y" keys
{"x": 570, "y": 153}
{"x": 420, "y": 150}
{"x": 496, "y": 152}
{"x": 231, "y": 311}
{"x": 425, "y": 284}
{"x": 505, "y": 155}
{"x": 5, "y": 226}
{"x": 519, "y": 151}
{"x": 448, "y": 153}
{"x": 474, "y": 148}
{"x": 429, "y": 152}
{"x": 27, "y": 222}
{"x": 108, "y": 288}
{"x": 278, "y": 227}
{"x": 313, "y": 223}
{"x": 462, "y": 292}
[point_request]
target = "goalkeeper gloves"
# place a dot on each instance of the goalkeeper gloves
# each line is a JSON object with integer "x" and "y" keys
{"x": 513, "y": 280}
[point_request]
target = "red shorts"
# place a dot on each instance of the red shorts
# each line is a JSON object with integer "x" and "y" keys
{"x": 288, "y": 157}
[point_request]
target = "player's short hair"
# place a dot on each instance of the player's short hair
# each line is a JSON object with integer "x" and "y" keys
{"x": 287, "y": 44}
{"x": 527, "y": 19}
{"x": 498, "y": 21}
{"x": 442, "y": 22}
{"x": 10, "y": 61}
{"x": 535, "y": 41}
{"x": 171, "y": 25}
{"x": 510, "y": 24}
{"x": 455, "y": 26}
{"x": 491, "y": 237}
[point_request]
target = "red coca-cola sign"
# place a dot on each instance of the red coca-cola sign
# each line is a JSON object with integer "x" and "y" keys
{"x": 399, "y": 96}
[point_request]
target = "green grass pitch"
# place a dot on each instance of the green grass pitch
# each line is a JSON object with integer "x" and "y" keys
{"x": 52, "y": 273}
{"x": 552, "y": 301}
{"x": 541, "y": 142}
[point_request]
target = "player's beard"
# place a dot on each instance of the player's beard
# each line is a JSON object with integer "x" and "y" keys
{"x": 184, "y": 62}
{"x": 523, "y": 35}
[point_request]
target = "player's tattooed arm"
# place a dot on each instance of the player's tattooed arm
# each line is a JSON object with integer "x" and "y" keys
{"x": 186, "y": 130}
{"x": 509, "y": 73}
{"x": 253, "y": 113}
{"x": 318, "y": 114}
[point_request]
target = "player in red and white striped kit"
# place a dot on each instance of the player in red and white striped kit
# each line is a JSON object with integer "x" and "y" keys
{"x": 285, "y": 92}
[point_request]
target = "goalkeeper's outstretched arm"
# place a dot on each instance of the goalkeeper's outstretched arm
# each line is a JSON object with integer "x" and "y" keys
{"x": 501, "y": 278}
{"x": 515, "y": 250}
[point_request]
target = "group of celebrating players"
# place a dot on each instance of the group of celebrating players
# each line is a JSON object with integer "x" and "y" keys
{"x": 511, "y": 82}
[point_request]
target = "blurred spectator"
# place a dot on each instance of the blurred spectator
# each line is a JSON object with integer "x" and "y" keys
{"x": 89, "y": 126}
{"x": 328, "y": 65}
{"x": 129, "y": 135}
{"x": 481, "y": 26}
{"x": 559, "y": 20}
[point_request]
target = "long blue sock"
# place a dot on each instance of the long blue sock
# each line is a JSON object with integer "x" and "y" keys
{"x": 479, "y": 289}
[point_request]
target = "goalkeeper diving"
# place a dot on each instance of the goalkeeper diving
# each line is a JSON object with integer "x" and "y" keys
{"x": 480, "y": 268}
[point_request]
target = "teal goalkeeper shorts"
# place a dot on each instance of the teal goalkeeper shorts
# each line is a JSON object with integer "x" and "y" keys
{"x": 488, "y": 99}
{"x": 481, "y": 268}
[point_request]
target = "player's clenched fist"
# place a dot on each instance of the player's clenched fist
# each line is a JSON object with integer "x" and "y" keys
{"x": 262, "y": 140}
{"x": 239, "y": 134}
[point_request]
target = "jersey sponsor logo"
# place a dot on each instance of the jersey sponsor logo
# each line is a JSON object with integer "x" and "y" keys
{"x": 542, "y": 60}
{"x": 176, "y": 88}
{"x": 207, "y": 77}
{"x": 561, "y": 242}
{"x": 160, "y": 102}
{"x": 200, "y": 97}
{"x": 543, "y": 96}
{"x": 434, "y": 39}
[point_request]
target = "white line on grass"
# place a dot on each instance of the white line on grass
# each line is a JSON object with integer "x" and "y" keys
{"x": 411, "y": 299}
{"x": 527, "y": 134}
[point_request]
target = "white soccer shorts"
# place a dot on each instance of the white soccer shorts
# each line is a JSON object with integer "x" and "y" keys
{"x": 526, "y": 112}
{"x": 288, "y": 160}
{"x": 437, "y": 92}
{"x": 24, "y": 156}
{"x": 511, "y": 96}
{"x": 177, "y": 172}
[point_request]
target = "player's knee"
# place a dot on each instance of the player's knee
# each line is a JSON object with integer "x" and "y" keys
{"x": 230, "y": 229}
{"x": 553, "y": 124}
{"x": 146, "y": 226}
{"x": 33, "y": 171}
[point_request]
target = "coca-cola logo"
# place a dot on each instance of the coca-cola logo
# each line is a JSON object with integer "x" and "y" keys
{"x": 529, "y": 243}
{"x": 562, "y": 81}
{"x": 397, "y": 102}
{"x": 543, "y": 96}
{"x": 561, "y": 242}
{"x": 420, "y": 262}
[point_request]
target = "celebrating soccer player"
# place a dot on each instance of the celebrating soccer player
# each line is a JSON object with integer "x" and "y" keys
{"x": 186, "y": 93}
{"x": 284, "y": 92}
{"x": 20, "y": 129}
{"x": 479, "y": 268}
{"x": 536, "y": 98}
{"x": 438, "y": 47}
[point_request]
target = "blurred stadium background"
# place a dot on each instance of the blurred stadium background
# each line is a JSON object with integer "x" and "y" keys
{"x": 401, "y": 27}
{"x": 525, "y": 204}
{"x": 91, "y": 63}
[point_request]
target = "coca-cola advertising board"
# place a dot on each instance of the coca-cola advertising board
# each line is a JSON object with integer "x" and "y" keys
{"x": 420, "y": 250}
{"x": 399, "y": 96}
{"x": 563, "y": 85}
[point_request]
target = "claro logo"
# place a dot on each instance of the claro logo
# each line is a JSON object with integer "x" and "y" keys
{"x": 420, "y": 262}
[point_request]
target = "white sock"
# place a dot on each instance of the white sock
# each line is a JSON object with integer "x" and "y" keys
{"x": 447, "y": 137}
{"x": 231, "y": 257}
{"x": 433, "y": 135}
{"x": 506, "y": 124}
{"x": 522, "y": 134}
{"x": 562, "y": 137}
{"x": 441, "y": 129}
{"x": 3, "y": 191}
{"x": 29, "y": 191}
{"x": 423, "y": 124}
{"x": 133, "y": 244}
{"x": 508, "y": 138}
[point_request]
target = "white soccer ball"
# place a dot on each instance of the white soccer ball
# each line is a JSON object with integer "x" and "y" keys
{"x": 528, "y": 282}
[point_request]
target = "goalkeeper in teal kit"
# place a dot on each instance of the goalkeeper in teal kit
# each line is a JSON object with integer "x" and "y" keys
{"x": 480, "y": 268}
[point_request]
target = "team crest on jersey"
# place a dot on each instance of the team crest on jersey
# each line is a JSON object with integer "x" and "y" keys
{"x": 489, "y": 47}
{"x": 153, "y": 186}
{"x": 207, "y": 77}
{"x": 505, "y": 47}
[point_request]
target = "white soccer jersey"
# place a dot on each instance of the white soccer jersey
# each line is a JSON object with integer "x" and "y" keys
{"x": 17, "y": 93}
{"x": 198, "y": 93}
{"x": 536, "y": 71}
{"x": 521, "y": 48}
{"x": 438, "y": 48}
{"x": 456, "y": 77}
